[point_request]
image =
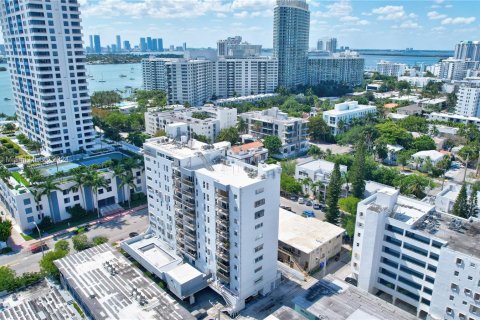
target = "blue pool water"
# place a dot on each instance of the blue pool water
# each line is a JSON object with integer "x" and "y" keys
{"x": 61, "y": 167}
{"x": 101, "y": 159}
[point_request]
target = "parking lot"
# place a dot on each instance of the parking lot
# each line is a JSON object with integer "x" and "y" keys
{"x": 299, "y": 208}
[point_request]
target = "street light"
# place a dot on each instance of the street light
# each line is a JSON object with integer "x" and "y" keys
{"x": 40, "y": 236}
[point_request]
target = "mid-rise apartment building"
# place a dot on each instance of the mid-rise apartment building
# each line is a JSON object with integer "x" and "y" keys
{"x": 391, "y": 69}
{"x": 243, "y": 77}
{"x": 345, "y": 67}
{"x": 468, "y": 99}
{"x": 233, "y": 47}
{"x": 344, "y": 114}
{"x": 221, "y": 216}
{"x": 154, "y": 75}
{"x": 467, "y": 50}
{"x": 450, "y": 117}
{"x": 416, "y": 258}
{"x": 457, "y": 69}
{"x": 205, "y": 121}
{"x": 46, "y": 60}
{"x": 291, "y": 131}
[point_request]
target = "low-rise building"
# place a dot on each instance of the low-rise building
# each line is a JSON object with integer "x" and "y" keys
{"x": 319, "y": 172}
{"x": 250, "y": 98}
{"x": 410, "y": 110}
{"x": 307, "y": 243}
{"x": 251, "y": 153}
{"x": 291, "y": 131}
{"x": 418, "y": 82}
{"x": 446, "y": 198}
{"x": 391, "y": 69}
{"x": 392, "y": 154}
{"x": 28, "y": 205}
{"x": 450, "y": 117}
{"x": 419, "y": 158}
{"x": 108, "y": 286}
{"x": 205, "y": 121}
{"x": 344, "y": 114}
{"x": 417, "y": 258}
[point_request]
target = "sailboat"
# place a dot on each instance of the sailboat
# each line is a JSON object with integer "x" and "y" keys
{"x": 101, "y": 80}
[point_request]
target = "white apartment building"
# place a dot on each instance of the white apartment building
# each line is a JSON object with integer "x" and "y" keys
{"x": 245, "y": 76}
{"x": 154, "y": 74}
{"x": 418, "y": 82}
{"x": 344, "y": 67}
{"x": 291, "y": 131}
{"x": 206, "y": 121}
{"x": 344, "y": 113}
{"x": 251, "y": 153}
{"x": 450, "y": 117}
{"x": 318, "y": 171}
{"x": 46, "y": 60}
{"x": 251, "y": 98}
{"x": 423, "y": 261}
{"x": 221, "y": 216}
{"x": 467, "y": 50}
{"x": 391, "y": 69}
{"x": 468, "y": 99}
{"x": 457, "y": 69}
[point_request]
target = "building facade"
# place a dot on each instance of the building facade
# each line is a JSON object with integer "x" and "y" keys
{"x": 221, "y": 217}
{"x": 344, "y": 114}
{"x": 48, "y": 74}
{"x": 457, "y": 69}
{"x": 291, "y": 29}
{"x": 416, "y": 258}
{"x": 467, "y": 50}
{"x": 291, "y": 131}
{"x": 391, "y": 69}
{"x": 468, "y": 99}
{"x": 154, "y": 74}
{"x": 331, "y": 45}
{"x": 346, "y": 68}
{"x": 450, "y": 117}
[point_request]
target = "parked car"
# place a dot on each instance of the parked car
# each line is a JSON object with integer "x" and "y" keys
{"x": 351, "y": 280}
{"x": 316, "y": 206}
{"x": 293, "y": 198}
{"x": 286, "y": 208}
{"x": 38, "y": 247}
{"x": 308, "y": 203}
{"x": 133, "y": 234}
{"x": 308, "y": 214}
{"x": 301, "y": 200}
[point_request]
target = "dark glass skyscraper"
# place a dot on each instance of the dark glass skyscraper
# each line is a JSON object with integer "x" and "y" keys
{"x": 291, "y": 28}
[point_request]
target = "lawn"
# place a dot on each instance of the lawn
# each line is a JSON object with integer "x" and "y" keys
{"x": 26, "y": 237}
{"x": 20, "y": 179}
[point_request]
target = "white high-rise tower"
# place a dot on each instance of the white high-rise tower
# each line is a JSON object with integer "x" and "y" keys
{"x": 46, "y": 59}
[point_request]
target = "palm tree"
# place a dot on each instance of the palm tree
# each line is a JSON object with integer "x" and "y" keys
{"x": 96, "y": 181}
{"x": 127, "y": 181}
{"x": 37, "y": 196}
{"x": 341, "y": 125}
{"x": 79, "y": 179}
{"x": 307, "y": 183}
{"x": 4, "y": 173}
{"x": 32, "y": 174}
{"x": 47, "y": 187}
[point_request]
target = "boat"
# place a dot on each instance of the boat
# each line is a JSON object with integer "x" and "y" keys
{"x": 101, "y": 80}
{"x": 7, "y": 99}
{"x": 132, "y": 78}
{"x": 123, "y": 76}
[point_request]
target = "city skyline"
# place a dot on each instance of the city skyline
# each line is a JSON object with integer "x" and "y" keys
{"x": 436, "y": 24}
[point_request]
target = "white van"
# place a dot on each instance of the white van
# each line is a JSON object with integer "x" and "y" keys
{"x": 301, "y": 200}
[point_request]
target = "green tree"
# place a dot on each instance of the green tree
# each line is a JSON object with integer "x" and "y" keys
{"x": 415, "y": 124}
{"x": 47, "y": 187}
{"x": 473, "y": 204}
{"x": 137, "y": 138}
{"x": 95, "y": 181}
{"x": 81, "y": 242}
{"x": 242, "y": 125}
{"x": 62, "y": 245}
{"x": 273, "y": 144}
{"x": 100, "y": 240}
{"x": 333, "y": 194}
{"x": 413, "y": 185}
{"x": 318, "y": 130}
{"x": 229, "y": 134}
{"x": 47, "y": 264}
{"x": 128, "y": 182}
{"x": 349, "y": 204}
{"x": 289, "y": 184}
{"x": 348, "y": 223}
{"x": 424, "y": 143}
{"x": 357, "y": 171}
{"x": 316, "y": 152}
{"x": 461, "y": 208}
{"x": 7, "y": 278}
{"x": 451, "y": 102}
{"x": 160, "y": 133}
{"x": 5, "y": 229}
{"x": 392, "y": 133}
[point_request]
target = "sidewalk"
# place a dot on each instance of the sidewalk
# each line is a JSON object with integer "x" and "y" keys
{"x": 26, "y": 244}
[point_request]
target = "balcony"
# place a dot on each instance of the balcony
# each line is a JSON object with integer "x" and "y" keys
{"x": 222, "y": 275}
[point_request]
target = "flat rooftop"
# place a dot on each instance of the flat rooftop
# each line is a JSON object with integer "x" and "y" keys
{"x": 112, "y": 288}
{"x": 181, "y": 150}
{"x": 40, "y": 302}
{"x": 334, "y": 299}
{"x": 305, "y": 234}
{"x": 285, "y": 313}
{"x": 152, "y": 250}
{"x": 319, "y": 164}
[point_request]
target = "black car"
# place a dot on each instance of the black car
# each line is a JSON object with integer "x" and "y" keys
{"x": 308, "y": 203}
{"x": 133, "y": 234}
{"x": 351, "y": 280}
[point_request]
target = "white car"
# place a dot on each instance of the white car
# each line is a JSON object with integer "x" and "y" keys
{"x": 301, "y": 200}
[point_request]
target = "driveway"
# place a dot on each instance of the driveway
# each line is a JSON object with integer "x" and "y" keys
{"x": 299, "y": 208}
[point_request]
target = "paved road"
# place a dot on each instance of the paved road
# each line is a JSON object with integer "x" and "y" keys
{"x": 116, "y": 229}
{"x": 299, "y": 208}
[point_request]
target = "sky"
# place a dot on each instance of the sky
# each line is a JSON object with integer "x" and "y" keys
{"x": 375, "y": 24}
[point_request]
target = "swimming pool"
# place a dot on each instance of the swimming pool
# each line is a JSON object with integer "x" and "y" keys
{"x": 101, "y": 158}
{"x": 61, "y": 167}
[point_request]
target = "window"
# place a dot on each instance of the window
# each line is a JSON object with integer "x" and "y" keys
{"x": 259, "y": 258}
{"x": 30, "y": 219}
{"x": 258, "y": 269}
{"x": 456, "y": 273}
{"x": 394, "y": 229}
{"x": 258, "y": 248}
{"x": 66, "y": 200}
{"x": 259, "y": 203}
{"x": 258, "y": 225}
{"x": 26, "y": 202}
{"x": 258, "y": 280}
{"x": 413, "y": 260}
{"x": 417, "y": 237}
{"x": 416, "y": 249}
{"x": 28, "y": 210}
{"x": 259, "y": 214}
{"x": 258, "y": 191}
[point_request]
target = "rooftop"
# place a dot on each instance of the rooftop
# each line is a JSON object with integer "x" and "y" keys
{"x": 272, "y": 115}
{"x": 305, "y": 234}
{"x": 432, "y": 154}
{"x": 333, "y": 299}
{"x": 112, "y": 288}
{"x": 247, "y": 146}
{"x": 40, "y": 302}
{"x": 181, "y": 150}
{"x": 320, "y": 165}
{"x": 349, "y": 107}
{"x": 285, "y": 313}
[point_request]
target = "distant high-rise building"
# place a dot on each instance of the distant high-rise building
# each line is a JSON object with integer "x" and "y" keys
{"x": 96, "y": 43}
{"x": 346, "y": 68}
{"x": 90, "y": 38}
{"x": 331, "y": 45}
{"x": 468, "y": 50}
{"x": 160, "y": 44}
{"x": 172, "y": 47}
{"x": 291, "y": 28}
{"x": 222, "y": 45}
{"x": 126, "y": 45}
{"x": 113, "y": 48}
{"x": 149, "y": 43}
{"x": 184, "y": 46}
{"x": 233, "y": 47}
{"x": 320, "y": 44}
{"x": 154, "y": 44}
{"x": 143, "y": 44}
{"x": 119, "y": 43}
{"x": 49, "y": 81}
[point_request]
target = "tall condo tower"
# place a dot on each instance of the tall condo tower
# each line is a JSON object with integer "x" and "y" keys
{"x": 291, "y": 27}
{"x": 46, "y": 59}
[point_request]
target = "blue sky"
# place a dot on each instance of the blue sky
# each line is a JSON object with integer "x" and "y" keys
{"x": 421, "y": 24}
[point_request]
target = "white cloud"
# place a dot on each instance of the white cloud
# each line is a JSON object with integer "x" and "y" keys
{"x": 350, "y": 20}
{"x": 434, "y": 15}
{"x": 339, "y": 8}
{"x": 439, "y": 29}
{"x": 459, "y": 20}
{"x": 439, "y": 1}
{"x": 409, "y": 24}
{"x": 241, "y": 14}
{"x": 390, "y": 12}
{"x": 252, "y": 4}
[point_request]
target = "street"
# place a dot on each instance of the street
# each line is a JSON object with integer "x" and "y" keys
{"x": 299, "y": 208}
{"x": 115, "y": 229}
